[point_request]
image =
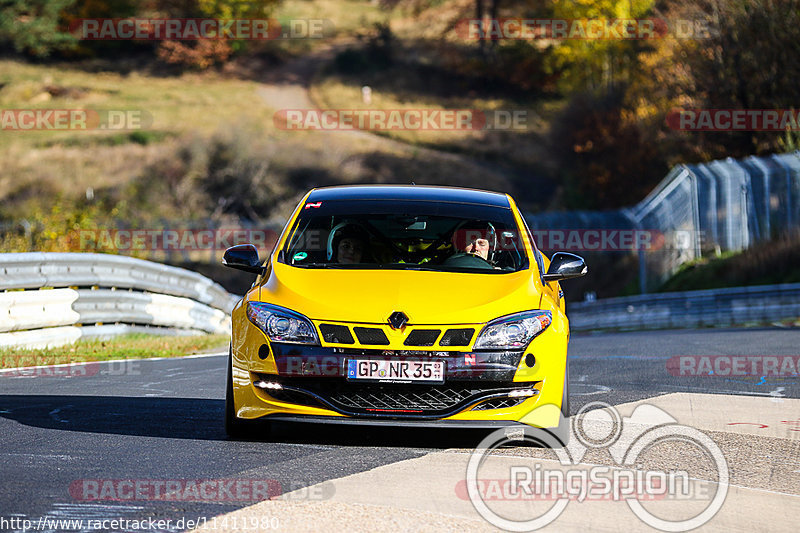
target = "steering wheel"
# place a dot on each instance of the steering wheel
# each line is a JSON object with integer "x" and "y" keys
{"x": 465, "y": 260}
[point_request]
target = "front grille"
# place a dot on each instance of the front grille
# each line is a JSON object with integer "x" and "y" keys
{"x": 457, "y": 337}
{"x": 386, "y": 399}
{"x": 402, "y": 399}
{"x": 371, "y": 336}
{"x": 422, "y": 337}
{"x": 498, "y": 403}
{"x": 337, "y": 334}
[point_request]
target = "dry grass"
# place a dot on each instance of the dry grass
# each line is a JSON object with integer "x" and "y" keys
{"x": 191, "y": 102}
{"x": 136, "y": 346}
{"x": 522, "y": 153}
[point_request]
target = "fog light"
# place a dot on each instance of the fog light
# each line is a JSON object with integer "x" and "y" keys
{"x": 522, "y": 393}
{"x": 263, "y": 351}
{"x": 268, "y": 385}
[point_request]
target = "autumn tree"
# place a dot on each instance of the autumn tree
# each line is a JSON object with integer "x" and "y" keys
{"x": 751, "y": 60}
{"x": 598, "y": 64}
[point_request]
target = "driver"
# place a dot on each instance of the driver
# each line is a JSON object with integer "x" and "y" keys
{"x": 474, "y": 240}
{"x": 479, "y": 246}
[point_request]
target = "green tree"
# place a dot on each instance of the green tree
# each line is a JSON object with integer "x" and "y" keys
{"x": 32, "y": 26}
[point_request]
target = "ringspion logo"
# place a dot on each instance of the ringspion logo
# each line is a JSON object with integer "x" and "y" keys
{"x": 548, "y": 487}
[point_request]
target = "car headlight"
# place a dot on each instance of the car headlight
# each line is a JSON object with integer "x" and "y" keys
{"x": 281, "y": 324}
{"x": 513, "y": 332}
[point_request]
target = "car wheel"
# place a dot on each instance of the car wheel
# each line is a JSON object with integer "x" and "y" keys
{"x": 565, "y": 397}
{"x": 235, "y": 427}
{"x": 562, "y": 432}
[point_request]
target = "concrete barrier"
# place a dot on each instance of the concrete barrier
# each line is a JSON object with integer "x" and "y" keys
{"x": 76, "y": 291}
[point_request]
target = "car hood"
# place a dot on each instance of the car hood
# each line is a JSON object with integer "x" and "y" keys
{"x": 370, "y": 296}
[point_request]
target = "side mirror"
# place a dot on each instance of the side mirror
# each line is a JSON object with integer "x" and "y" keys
{"x": 565, "y": 266}
{"x": 243, "y": 257}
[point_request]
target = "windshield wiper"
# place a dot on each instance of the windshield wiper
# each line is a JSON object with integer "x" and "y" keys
{"x": 336, "y": 265}
{"x": 407, "y": 266}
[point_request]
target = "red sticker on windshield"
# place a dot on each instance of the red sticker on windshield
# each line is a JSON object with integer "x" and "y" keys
{"x": 312, "y": 204}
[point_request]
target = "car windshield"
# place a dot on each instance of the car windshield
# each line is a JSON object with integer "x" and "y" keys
{"x": 418, "y": 235}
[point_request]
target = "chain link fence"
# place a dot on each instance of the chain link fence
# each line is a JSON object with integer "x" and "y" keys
{"x": 697, "y": 211}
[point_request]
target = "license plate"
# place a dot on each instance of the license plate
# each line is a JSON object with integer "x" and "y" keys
{"x": 395, "y": 371}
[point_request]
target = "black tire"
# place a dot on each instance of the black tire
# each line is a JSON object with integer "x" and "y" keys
{"x": 565, "y": 397}
{"x": 562, "y": 432}
{"x": 235, "y": 427}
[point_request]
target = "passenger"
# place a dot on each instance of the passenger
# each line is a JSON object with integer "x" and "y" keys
{"x": 349, "y": 245}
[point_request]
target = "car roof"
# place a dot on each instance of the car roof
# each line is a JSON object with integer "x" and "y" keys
{"x": 426, "y": 193}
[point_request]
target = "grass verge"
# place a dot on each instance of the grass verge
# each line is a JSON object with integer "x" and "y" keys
{"x": 768, "y": 263}
{"x": 134, "y": 346}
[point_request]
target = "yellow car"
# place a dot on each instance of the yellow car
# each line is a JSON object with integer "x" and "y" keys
{"x": 401, "y": 306}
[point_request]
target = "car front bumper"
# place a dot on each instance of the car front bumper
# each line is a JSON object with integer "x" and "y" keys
{"x": 309, "y": 383}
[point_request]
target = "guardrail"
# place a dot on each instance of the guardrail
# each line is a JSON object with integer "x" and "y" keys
{"x": 81, "y": 295}
{"x": 691, "y": 309}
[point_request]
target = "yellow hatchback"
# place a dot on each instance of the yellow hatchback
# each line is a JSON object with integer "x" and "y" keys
{"x": 401, "y": 306}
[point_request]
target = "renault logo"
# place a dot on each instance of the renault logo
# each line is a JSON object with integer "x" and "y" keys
{"x": 398, "y": 319}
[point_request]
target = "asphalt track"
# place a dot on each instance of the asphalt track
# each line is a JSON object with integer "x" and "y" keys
{"x": 160, "y": 420}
